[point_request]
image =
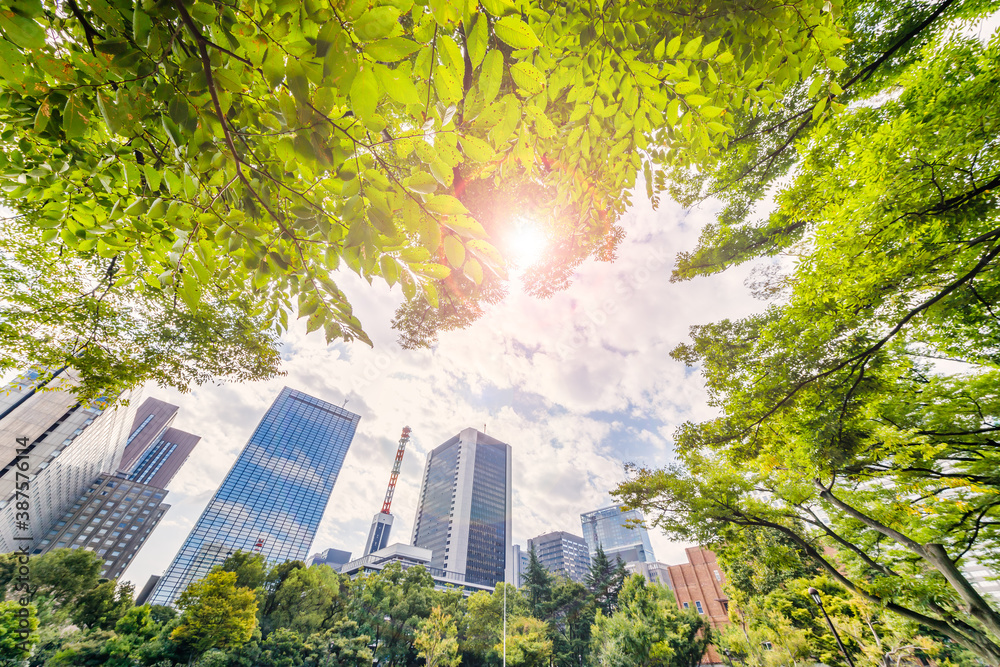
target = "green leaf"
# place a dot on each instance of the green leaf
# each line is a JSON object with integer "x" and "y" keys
{"x": 498, "y": 7}
{"x": 74, "y": 120}
{"x": 710, "y": 111}
{"x": 364, "y": 94}
{"x": 22, "y": 31}
{"x": 447, "y": 85}
{"x": 477, "y": 149}
{"x": 815, "y": 86}
{"x": 511, "y": 30}
{"x": 464, "y": 225}
{"x": 696, "y": 100}
{"x": 152, "y": 177}
{"x": 454, "y": 251}
{"x": 486, "y": 252}
{"x": 528, "y": 77}
{"x": 685, "y": 87}
{"x": 691, "y": 48}
{"x": 835, "y": 63}
{"x": 673, "y": 45}
{"x": 710, "y": 49}
{"x": 436, "y": 271}
{"x": 392, "y": 49}
{"x": 431, "y": 292}
{"x": 474, "y": 270}
{"x": 422, "y": 182}
{"x": 376, "y": 23}
{"x": 724, "y": 58}
{"x": 477, "y": 40}
{"x": 445, "y": 204}
{"x": 492, "y": 75}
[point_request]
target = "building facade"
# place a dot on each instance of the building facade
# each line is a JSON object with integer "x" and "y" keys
{"x": 164, "y": 456}
{"x": 654, "y": 573}
{"x": 697, "y": 585}
{"x": 61, "y": 445}
{"x": 378, "y": 534}
{"x": 519, "y": 565}
{"x": 274, "y": 496}
{"x": 464, "y": 508}
{"x": 408, "y": 556}
{"x": 335, "y": 558}
{"x": 152, "y": 418}
{"x": 562, "y": 553}
{"x": 619, "y": 532}
{"x": 112, "y": 519}
{"x": 117, "y": 513}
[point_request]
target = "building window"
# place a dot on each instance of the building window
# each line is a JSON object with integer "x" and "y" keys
{"x": 697, "y": 605}
{"x": 686, "y": 605}
{"x": 718, "y": 577}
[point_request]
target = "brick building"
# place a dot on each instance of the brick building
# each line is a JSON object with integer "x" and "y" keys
{"x": 698, "y": 584}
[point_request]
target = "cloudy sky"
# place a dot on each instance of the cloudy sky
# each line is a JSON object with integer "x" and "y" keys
{"x": 577, "y": 384}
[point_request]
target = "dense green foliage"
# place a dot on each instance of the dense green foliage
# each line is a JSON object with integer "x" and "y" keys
{"x": 294, "y": 616}
{"x": 859, "y": 411}
{"x": 648, "y": 630}
{"x": 186, "y": 176}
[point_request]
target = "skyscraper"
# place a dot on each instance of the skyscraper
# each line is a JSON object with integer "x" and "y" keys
{"x": 163, "y": 458}
{"x": 273, "y": 498}
{"x": 613, "y": 530}
{"x": 112, "y": 519}
{"x": 117, "y": 513}
{"x": 152, "y": 418}
{"x": 59, "y": 443}
{"x": 562, "y": 553}
{"x": 464, "y": 508}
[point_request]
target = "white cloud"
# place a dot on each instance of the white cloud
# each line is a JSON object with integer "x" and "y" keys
{"x": 577, "y": 384}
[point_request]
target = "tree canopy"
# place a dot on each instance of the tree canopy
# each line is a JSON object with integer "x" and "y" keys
{"x": 186, "y": 177}
{"x": 858, "y": 411}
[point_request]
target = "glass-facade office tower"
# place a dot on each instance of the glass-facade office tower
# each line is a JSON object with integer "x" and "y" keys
{"x": 464, "y": 509}
{"x": 273, "y": 498}
{"x": 66, "y": 445}
{"x": 619, "y": 533}
{"x": 562, "y": 553}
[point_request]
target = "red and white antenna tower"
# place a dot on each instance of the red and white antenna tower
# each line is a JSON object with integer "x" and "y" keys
{"x": 403, "y": 439}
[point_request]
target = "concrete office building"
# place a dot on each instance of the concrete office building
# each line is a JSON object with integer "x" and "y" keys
{"x": 562, "y": 553}
{"x": 58, "y": 443}
{"x": 152, "y": 418}
{"x": 273, "y": 498}
{"x": 408, "y": 556}
{"x": 117, "y": 513}
{"x": 335, "y": 558}
{"x": 163, "y": 458}
{"x": 464, "y": 508}
{"x": 519, "y": 565}
{"x": 654, "y": 573}
{"x": 113, "y": 519}
{"x": 619, "y": 532}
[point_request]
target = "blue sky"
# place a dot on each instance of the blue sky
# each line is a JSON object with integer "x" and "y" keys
{"x": 577, "y": 384}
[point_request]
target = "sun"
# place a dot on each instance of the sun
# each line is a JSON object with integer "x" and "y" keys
{"x": 526, "y": 244}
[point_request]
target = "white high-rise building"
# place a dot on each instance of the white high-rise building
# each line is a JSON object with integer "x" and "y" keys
{"x": 52, "y": 447}
{"x": 464, "y": 508}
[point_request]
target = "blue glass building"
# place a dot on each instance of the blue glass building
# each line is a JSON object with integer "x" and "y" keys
{"x": 273, "y": 498}
{"x": 619, "y": 532}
